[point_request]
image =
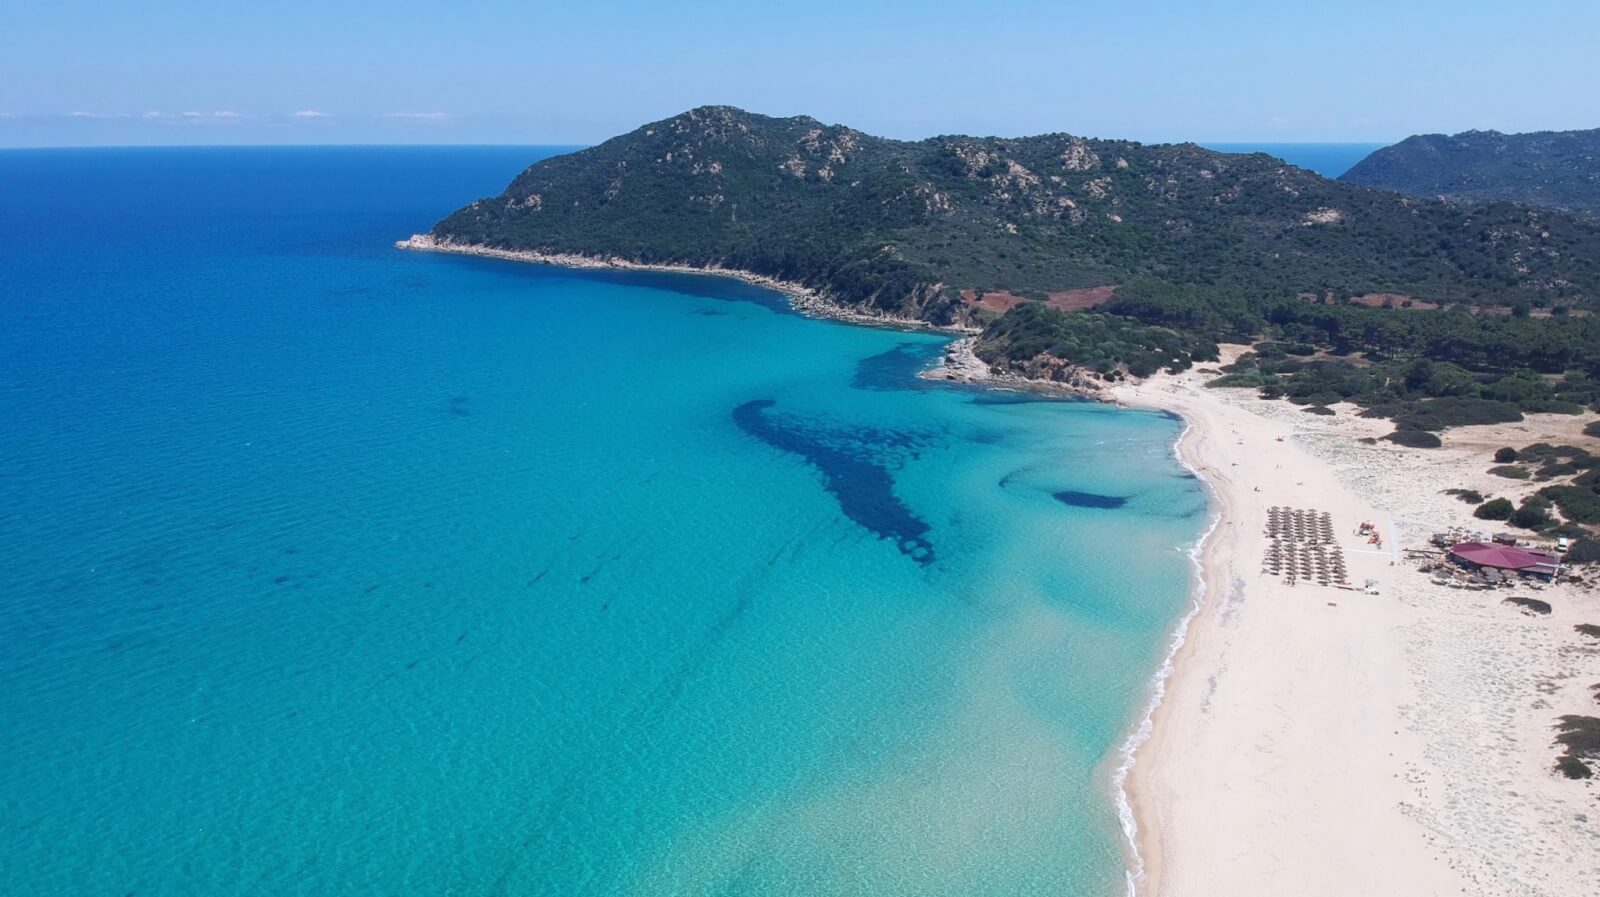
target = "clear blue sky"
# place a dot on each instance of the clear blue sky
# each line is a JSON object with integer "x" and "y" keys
{"x": 469, "y": 71}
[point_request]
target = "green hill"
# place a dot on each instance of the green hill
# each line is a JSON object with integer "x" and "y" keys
{"x": 1553, "y": 169}
{"x": 905, "y": 226}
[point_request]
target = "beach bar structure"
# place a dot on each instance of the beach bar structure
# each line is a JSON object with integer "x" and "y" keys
{"x": 1487, "y": 556}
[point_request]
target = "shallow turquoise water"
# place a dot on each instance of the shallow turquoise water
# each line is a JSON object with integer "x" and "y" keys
{"x": 333, "y": 569}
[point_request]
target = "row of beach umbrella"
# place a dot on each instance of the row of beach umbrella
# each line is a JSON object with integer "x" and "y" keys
{"x": 1300, "y": 524}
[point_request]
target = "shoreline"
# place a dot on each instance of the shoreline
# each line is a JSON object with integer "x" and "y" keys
{"x": 961, "y": 364}
{"x": 802, "y": 299}
{"x": 1140, "y": 856}
{"x": 1320, "y": 741}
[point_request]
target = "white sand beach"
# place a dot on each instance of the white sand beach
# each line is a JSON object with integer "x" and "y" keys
{"x": 1320, "y": 741}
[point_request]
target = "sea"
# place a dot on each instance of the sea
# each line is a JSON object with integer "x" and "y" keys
{"x": 333, "y": 569}
{"x": 1327, "y": 159}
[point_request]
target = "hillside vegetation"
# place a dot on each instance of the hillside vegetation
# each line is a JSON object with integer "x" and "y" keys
{"x": 905, "y": 225}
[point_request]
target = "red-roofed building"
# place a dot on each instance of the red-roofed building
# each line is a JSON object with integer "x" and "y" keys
{"x": 1505, "y": 557}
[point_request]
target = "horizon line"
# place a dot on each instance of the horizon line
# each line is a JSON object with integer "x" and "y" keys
{"x": 1231, "y": 141}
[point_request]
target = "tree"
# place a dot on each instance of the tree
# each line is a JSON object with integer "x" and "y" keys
{"x": 1505, "y": 455}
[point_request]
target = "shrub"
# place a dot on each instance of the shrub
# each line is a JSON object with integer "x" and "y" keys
{"x": 1414, "y": 439}
{"x": 1570, "y": 530}
{"x": 1573, "y": 768}
{"x": 1519, "y": 387}
{"x": 1533, "y": 604}
{"x": 1550, "y": 406}
{"x": 1555, "y": 470}
{"x": 1592, "y": 428}
{"x": 1577, "y": 504}
{"x": 1323, "y": 410}
{"x": 1580, "y": 735}
{"x": 1316, "y": 398}
{"x": 1385, "y": 409}
{"x": 1584, "y": 551}
{"x": 1494, "y": 509}
{"x": 1458, "y": 411}
{"x": 1510, "y": 473}
{"x": 1529, "y": 516}
{"x": 1588, "y": 629}
{"x": 1470, "y": 496}
{"x": 1250, "y": 381}
{"x": 1505, "y": 455}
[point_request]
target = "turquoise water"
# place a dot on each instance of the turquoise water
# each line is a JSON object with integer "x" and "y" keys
{"x": 333, "y": 569}
{"x": 1327, "y": 159}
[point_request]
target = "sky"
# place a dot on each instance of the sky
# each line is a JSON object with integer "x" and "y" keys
{"x": 110, "y": 72}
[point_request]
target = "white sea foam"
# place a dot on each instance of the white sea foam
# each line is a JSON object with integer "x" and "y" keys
{"x": 1135, "y": 872}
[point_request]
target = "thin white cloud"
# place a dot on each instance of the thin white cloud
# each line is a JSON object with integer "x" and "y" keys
{"x": 311, "y": 113}
{"x": 81, "y": 114}
{"x": 417, "y": 116}
{"x": 219, "y": 114}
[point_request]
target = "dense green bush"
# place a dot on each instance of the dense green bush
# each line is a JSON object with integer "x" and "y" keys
{"x": 1494, "y": 509}
{"x": 1580, "y": 736}
{"x": 1457, "y": 411}
{"x": 1510, "y": 473}
{"x": 1577, "y": 504}
{"x": 1584, "y": 551}
{"x": 1531, "y": 515}
{"x": 1550, "y": 406}
{"x": 1414, "y": 439}
{"x": 1555, "y": 469}
{"x": 1505, "y": 455}
{"x": 1240, "y": 381}
{"x": 1522, "y": 386}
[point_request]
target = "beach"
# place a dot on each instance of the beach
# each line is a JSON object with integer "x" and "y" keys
{"x": 1316, "y": 740}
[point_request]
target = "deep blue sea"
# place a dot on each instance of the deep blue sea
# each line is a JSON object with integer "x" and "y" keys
{"x": 1327, "y": 159}
{"x": 331, "y": 569}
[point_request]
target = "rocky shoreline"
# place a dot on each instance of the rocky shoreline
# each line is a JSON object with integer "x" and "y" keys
{"x": 961, "y": 364}
{"x": 802, "y": 298}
